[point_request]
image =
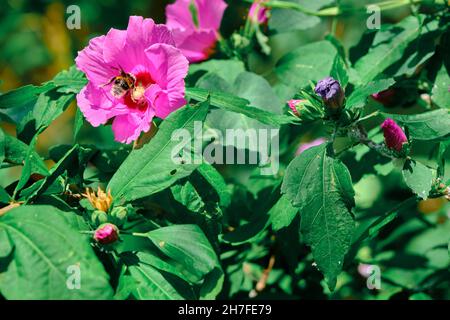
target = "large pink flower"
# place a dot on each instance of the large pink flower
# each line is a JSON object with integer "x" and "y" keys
{"x": 195, "y": 25}
{"x": 147, "y": 54}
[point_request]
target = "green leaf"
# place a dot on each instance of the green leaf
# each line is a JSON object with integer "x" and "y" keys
{"x": 321, "y": 187}
{"x": 2, "y": 146}
{"x": 45, "y": 248}
{"x": 56, "y": 171}
{"x": 339, "y": 71}
{"x": 136, "y": 178}
{"x": 285, "y": 20}
{"x": 359, "y": 96}
{"x": 282, "y": 213}
{"x": 418, "y": 177}
{"x": 4, "y": 196}
{"x": 420, "y": 296}
{"x": 16, "y": 153}
{"x": 188, "y": 245}
{"x": 27, "y": 170}
{"x": 443, "y": 147}
{"x": 226, "y": 69}
{"x": 387, "y": 48}
{"x": 5, "y": 244}
{"x": 48, "y": 107}
{"x": 373, "y": 229}
{"x": 418, "y": 51}
{"x": 232, "y": 103}
{"x": 216, "y": 181}
{"x": 78, "y": 123}
{"x": 311, "y": 62}
{"x": 23, "y": 97}
{"x": 248, "y": 232}
{"x": 144, "y": 280}
{"x": 187, "y": 195}
{"x": 425, "y": 126}
{"x": 440, "y": 93}
{"x": 259, "y": 93}
{"x": 70, "y": 81}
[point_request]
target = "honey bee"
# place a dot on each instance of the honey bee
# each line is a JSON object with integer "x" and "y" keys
{"x": 122, "y": 84}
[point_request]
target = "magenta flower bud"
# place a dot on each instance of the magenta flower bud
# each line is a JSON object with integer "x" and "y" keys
{"x": 106, "y": 234}
{"x": 293, "y": 104}
{"x": 331, "y": 93}
{"x": 258, "y": 13}
{"x": 385, "y": 97}
{"x": 394, "y": 137}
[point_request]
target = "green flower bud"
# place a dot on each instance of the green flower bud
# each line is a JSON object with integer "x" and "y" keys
{"x": 119, "y": 215}
{"x": 99, "y": 217}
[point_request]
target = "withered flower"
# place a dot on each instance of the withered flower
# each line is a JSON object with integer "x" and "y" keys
{"x": 99, "y": 200}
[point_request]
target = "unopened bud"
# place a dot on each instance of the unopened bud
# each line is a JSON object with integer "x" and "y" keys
{"x": 394, "y": 137}
{"x": 106, "y": 234}
{"x": 99, "y": 217}
{"x": 119, "y": 214}
{"x": 331, "y": 92}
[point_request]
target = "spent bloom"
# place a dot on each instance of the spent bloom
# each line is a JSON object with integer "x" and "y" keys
{"x": 106, "y": 234}
{"x": 195, "y": 25}
{"x": 331, "y": 92}
{"x": 258, "y": 13}
{"x": 100, "y": 200}
{"x": 394, "y": 137}
{"x": 134, "y": 75}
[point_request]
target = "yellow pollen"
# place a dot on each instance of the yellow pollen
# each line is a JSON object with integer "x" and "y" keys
{"x": 138, "y": 92}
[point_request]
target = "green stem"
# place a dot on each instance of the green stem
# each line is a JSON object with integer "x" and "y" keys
{"x": 138, "y": 234}
{"x": 335, "y": 11}
{"x": 373, "y": 114}
{"x": 334, "y": 24}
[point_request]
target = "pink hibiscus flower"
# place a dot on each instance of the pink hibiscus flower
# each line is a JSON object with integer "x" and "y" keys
{"x": 134, "y": 75}
{"x": 195, "y": 25}
{"x": 258, "y": 13}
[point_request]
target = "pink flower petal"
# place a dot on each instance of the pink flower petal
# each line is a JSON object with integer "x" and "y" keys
{"x": 95, "y": 105}
{"x": 196, "y": 45}
{"x": 169, "y": 68}
{"x": 179, "y": 16}
{"x": 125, "y": 49}
{"x": 128, "y": 127}
{"x": 210, "y": 13}
{"x": 195, "y": 41}
{"x": 90, "y": 61}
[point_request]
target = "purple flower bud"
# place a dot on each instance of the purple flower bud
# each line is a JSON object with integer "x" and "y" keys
{"x": 331, "y": 93}
{"x": 106, "y": 234}
{"x": 394, "y": 137}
